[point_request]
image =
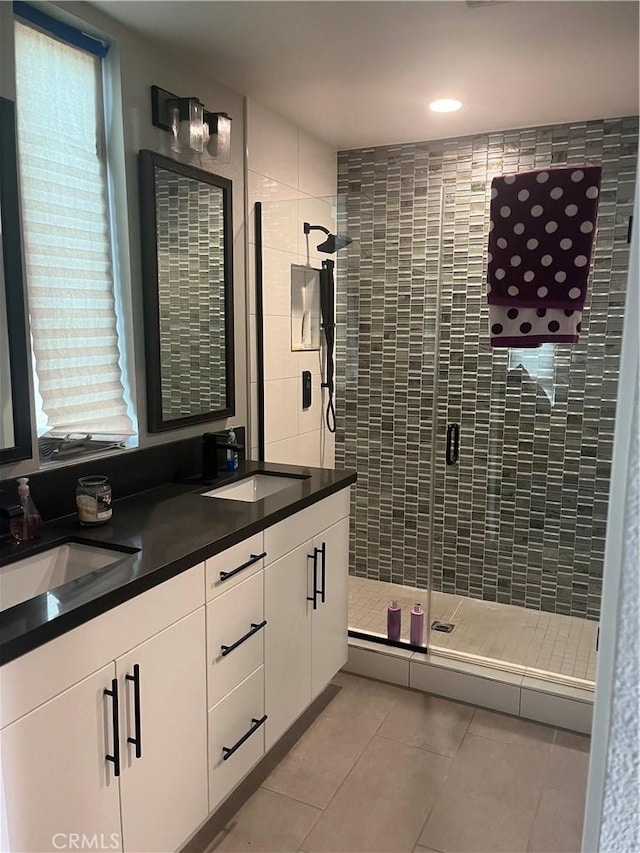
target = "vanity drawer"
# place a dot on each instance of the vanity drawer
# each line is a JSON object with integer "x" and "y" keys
{"x": 304, "y": 525}
{"x": 235, "y": 724}
{"x": 237, "y": 563}
{"x": 232, "y": 617}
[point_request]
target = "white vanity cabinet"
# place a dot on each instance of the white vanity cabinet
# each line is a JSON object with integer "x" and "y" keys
{"x": 163, "y": 779}
{"x": 329, "y": 621}
{"x": 306, "y": 576}
{"x": 69, "y": 774}
{"x": 126, "y": 732}
{"x": 55, "y": 780}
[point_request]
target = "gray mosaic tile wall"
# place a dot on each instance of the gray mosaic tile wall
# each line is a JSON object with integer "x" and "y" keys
{"x": 521, "y": 518}
{"x": 191, "y": 295}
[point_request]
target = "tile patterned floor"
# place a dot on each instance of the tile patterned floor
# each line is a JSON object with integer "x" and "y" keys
{"x": 545, "y": 641}
{"x": 384, "y": 769}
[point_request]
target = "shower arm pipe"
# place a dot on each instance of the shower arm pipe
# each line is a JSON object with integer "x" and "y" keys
{"x": 308, "y": 228}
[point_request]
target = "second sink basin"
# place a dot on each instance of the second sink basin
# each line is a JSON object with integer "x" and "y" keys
{"x": 253, "y": 488}
{"x": 31, "y": 576}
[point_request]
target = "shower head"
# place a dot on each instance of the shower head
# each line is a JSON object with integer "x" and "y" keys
{"x": 333, "y": 243}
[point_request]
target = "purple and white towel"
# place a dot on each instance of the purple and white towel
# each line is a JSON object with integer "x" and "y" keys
{"x": 541, "y": 235}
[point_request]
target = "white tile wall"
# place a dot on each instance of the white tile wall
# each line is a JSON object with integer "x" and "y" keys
{"x": 317, "y": 167}
{"x": 276, "y": 278}
{"x": 389, "y": 668}
{"x": 288, "y": 171}
{"x": 283, "y": 451}
{"x": 279, "y": 361}
{"x": 281, "y": 404}
{"x": 486, "y": 692}
{"x": 272, "y": 145}
{"x": 279, "y": 212}
{"x": 560, "y": 704}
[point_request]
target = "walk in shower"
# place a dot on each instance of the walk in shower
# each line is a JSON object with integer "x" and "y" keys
{"x": 504, "y": 546}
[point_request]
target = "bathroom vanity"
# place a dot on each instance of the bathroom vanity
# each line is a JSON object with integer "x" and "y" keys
{"x": 134, "y": 699}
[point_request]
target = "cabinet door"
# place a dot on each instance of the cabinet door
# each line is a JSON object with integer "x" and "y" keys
{"x": 57, "y": 789}
{"x": 330, "y": 619}
{"x": 164, "y": 791}
{"x": 287, "y": 641}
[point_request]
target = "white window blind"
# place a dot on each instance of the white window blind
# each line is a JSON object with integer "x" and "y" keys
{"x": 65, "y": 213}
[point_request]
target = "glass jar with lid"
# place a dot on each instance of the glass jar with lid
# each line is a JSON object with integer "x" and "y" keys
{"x": 93, "y": 500}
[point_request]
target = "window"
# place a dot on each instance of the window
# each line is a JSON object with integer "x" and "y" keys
{"x": 79, "y": 372}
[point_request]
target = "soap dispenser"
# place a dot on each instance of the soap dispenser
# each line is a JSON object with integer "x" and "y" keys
{"x": 232, "y": 455}
{"x": 416, "y": 631}
{"x": 394, "y": 617}
{"x": 28, "y": 525}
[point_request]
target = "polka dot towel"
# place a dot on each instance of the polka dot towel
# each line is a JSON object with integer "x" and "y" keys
{"x": 540, "y": 240}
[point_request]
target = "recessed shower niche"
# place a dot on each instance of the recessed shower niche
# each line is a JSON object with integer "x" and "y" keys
{"x": 305, "y": 308}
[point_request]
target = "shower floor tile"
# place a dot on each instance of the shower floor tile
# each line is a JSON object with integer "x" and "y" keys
{"x": 564, "y": 645}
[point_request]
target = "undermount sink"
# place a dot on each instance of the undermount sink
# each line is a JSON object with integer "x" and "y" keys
{"x": 253, "y": 488}
{"x": 31, "y": 576}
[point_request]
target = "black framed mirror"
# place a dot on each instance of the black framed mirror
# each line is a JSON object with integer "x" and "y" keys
{"x": 15, "y": 417}
{"x": 187, "y": 267}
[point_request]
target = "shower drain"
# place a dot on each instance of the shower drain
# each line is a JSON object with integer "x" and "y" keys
{"x": 443, "y": 627}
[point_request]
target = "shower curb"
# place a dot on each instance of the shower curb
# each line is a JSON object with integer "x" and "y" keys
{"x": 530, "y": 694}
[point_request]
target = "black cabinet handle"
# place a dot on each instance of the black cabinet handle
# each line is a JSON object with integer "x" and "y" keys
{"x": 453, "y": 443}
{"x": 137, "y": 740}
{"x": 254, "y": 559}
{"x": 316, "y": 591}
{"x": 227, "y": 751}
{"x": 115, "y": 758}
{"x": 323, "y": 551}
{"x": 255, "y": 627}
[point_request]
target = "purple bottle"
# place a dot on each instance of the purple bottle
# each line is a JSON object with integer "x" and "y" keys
{"x": 394, "y": 617}
{"x": 416, "y": 632}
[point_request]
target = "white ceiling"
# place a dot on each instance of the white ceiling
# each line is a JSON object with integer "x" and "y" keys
{"x": 358, "y": 73}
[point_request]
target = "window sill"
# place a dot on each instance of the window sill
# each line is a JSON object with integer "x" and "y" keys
{"x": 63, "y": 459}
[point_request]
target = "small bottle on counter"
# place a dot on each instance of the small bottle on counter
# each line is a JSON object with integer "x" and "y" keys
{"x": 26, "y": 526}
{"x": 394, "y": 619}
{"x": 416, "y": 631}
{"x": 93, "y": 500}
{"x": 232, "y": 455}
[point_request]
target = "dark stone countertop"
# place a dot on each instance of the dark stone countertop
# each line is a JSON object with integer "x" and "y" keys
{"x": 162, "y": 532}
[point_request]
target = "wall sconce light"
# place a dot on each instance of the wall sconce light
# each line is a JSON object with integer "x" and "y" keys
{"x": 193, "y": 128}
{"x": 218, "y": 135}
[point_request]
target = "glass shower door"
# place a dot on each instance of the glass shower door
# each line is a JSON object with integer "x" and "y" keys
{"x": 519, "y": 518}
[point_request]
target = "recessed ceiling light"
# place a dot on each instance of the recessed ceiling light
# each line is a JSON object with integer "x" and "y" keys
{"x": 445, "y": 105}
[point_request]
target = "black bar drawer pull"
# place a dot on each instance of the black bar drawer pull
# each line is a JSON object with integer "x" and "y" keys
{"x": 453, "y": 443}
{"x": 137, "y": 740}
{"x": 227, "y": 751}
{"x": 254, "y": 559}
{"x": 115, "y": 758}
{"x": 323, "y": 551}
{"x": 255, "y": 627}
{"x": 316, "y": 591}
